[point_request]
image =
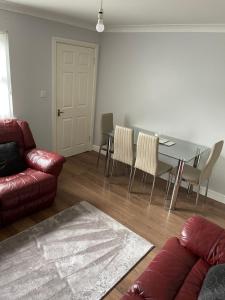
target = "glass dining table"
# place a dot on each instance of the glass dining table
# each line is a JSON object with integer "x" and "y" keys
{"x": 179, "y": 150}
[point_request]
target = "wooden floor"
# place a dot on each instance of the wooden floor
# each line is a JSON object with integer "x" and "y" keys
{"x": 81, "y": 180}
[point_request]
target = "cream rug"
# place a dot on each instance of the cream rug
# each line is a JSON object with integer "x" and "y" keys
{"x": 80, "y": 253}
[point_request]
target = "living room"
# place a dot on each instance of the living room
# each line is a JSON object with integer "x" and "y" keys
{"x": 82, "y": 107}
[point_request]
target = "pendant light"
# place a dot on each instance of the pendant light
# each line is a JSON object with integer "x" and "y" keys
{"x": 100, "y": 26}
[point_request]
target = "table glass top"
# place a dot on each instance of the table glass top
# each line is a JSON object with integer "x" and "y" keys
{"x": 181, "y": 150}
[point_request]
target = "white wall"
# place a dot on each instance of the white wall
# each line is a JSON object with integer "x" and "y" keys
{"x": 172, "y": 83}
{"x": 30, "y": 42}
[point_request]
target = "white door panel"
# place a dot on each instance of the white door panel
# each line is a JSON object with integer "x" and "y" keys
{"x": 74, "y": 74}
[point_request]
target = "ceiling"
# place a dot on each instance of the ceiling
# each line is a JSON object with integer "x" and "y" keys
{"x": 127, "y": 13}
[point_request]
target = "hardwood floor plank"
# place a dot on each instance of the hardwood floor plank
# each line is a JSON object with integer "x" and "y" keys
{"x": 82, "y": 181}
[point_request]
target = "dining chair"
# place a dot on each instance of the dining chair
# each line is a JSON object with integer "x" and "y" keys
{"x": 147, "y": 159}
{"x": 197, "y": 177}
{"x": 106, "y": 127}
{"x": 123, "y": 148}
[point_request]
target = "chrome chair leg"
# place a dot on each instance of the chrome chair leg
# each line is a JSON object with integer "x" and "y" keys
{"x": 132, "y": 180}
{"x": 169, "y": 181}
{"x": 197, "y": 197}
{"x": 145, "y": 178}
{"x": 153, "y": 186}
{"x": 206, "y": 191}
{"x": 113, "y": 166}
{"x": 207, "y": 188}
{"x": 126, "y": 169}
{"x": 99, "y": 153}
{"x": 189, "y": 189}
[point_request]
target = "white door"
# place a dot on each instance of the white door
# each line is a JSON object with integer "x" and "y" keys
{"x": 74, "y": 98}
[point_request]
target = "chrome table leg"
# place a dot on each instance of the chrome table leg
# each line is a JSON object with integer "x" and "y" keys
{"x": 177, "y": 184}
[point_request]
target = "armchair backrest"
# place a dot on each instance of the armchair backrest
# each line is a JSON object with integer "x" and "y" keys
{"x": 17, "y": 131}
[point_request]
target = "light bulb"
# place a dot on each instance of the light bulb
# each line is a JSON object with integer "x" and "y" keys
{"x": 100, "y": 26}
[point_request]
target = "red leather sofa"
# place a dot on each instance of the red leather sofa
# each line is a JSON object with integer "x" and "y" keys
{"x": 178, "y": 271}
{"x": 35, "y": 187}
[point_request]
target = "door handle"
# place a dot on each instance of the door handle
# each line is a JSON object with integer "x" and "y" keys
{"x": 60, "y": 112}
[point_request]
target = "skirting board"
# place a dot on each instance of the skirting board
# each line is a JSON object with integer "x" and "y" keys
{"x": 211, "y": 194}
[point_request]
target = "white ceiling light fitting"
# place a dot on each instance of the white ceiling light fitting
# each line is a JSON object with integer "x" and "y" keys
{"x": 100, "y": 26}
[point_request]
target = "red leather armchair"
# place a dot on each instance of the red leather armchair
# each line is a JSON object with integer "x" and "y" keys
{"x": 179, "y": 269}
{"x": 35, "y": 187}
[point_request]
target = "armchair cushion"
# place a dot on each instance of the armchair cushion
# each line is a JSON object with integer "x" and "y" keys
{"x": 18, "y": 190}
{"x": 44, "y": 161}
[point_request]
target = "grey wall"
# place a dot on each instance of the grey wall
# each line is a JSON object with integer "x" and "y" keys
{"x": 30, "y": 42}
{"x": 171, "y": 83}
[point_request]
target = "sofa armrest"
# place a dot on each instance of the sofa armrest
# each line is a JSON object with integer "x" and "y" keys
{"x": 47, "y": 162}
{"x": 132, "y": 296}
{"x": 165, "y": 274}
{"x": 204, "y": 239}
{"x": 134, "y": 293}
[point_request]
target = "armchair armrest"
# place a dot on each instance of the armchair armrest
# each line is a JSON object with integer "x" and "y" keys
{"x": 47, "y": 162}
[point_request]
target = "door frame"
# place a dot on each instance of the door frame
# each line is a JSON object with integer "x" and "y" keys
{"x": 94, "y": 46}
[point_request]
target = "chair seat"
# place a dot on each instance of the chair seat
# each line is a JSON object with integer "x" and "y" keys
{"x": 18, "y": 189}
{"x": 163, "y": 168}
{"x": 190, "y": 174}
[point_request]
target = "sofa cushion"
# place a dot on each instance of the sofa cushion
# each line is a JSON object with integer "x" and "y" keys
{"x": 214, "y": 284}
{"x": 30, "y": 184}
{"x": 193, "y": 282}
{"x": 11, "y": 161}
